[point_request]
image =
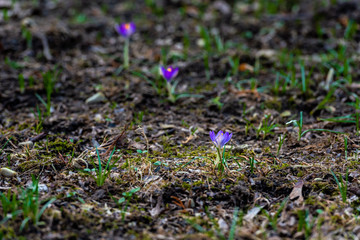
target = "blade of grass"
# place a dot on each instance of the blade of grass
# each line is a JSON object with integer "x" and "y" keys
{"x": 321, "y": 130}
{"x": 2, "y": 148}
{"x": 233, "y": 224}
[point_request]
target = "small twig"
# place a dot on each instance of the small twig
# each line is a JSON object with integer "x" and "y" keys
{"x": 178, "y": 202}
{"x": 38, "y": 137}
{"x": 63, "y": 159}
{"x": 147, "y": 147}
{"x": 9, "y": 141}
{"x": 116, "y": 141}
{"x": 46, "y": 49}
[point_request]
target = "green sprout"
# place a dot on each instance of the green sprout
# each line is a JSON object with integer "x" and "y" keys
{"x": 342, "y": 185}
{"x": 265, "y": 127}
{"x": 252, "y": 163}
{"x": 273, "y": 219}
{"x": 49, "y": 80}
{"x": 299, "y": 124}
{"x": 102, "y": 174}
{"x": 21, "y": 80}
{"x": 304, "y": 222}
{"x": 281, "y": 141}
{"x": 27, "y": 205}
{"x": 2, "y": 148}
{"x": 126, "y": 198}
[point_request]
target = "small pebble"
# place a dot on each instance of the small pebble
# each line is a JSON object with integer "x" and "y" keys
{"x": 257, "y": 150}
{"x": 7, "y": 172}
{"x": 27, "y": 144}
{"x": 98, "y": 97}
{"x": 43, "y": 188}
{"x": 98, "y": 118}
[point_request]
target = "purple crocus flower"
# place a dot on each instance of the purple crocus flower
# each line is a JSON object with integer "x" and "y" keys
{"x": 126, "y": 29}
{"x": 169, "y": 73}
{"x": 220, "y": 139}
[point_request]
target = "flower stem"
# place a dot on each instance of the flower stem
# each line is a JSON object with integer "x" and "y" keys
{"x": 221, "y": 166}
{"x": 171, "y": 96}
{"x": 126, "y": 53}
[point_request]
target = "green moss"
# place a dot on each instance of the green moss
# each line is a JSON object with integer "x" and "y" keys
{"x": 336, "y": 219}
{"x": 186, "y": 185}
{"x": 23, "y": 126}
{"x": 137, "y": 235}
{"x": 267, "y": 150}
{"x": 273, "y": 104}
{"x": 60, "y": 145}
{"x": 353, "y": 164}
{"x": 120, "y": 181}
{"x": 241, "y": 177}
{"x": 202, "y": 88}
{"x": 228, "y": 189}
{"x": 280, "y": 166}
{"x": 321, "y": 186}
{"x": 7, "y": 232}
{"x": 198, "y": 183}
{"x": 300, "y": 173}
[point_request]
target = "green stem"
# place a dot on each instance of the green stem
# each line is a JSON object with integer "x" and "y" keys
{"x": 171, "y": 96}
{"x": 300, "y": 125}
{"x": 126, "y": 53}
{"x": 220, "y": 159}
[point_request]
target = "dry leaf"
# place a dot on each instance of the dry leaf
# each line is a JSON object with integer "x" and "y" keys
{"x": 136, "y": 145}
{"x": 252, "y": 213}
{"x": 344, "y": 20}
{"x": 296, "y": 193}
{"x": 191, "y": 137}
{"x": 246, "y": 67}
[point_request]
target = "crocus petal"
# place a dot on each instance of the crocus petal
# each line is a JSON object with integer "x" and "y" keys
{"x": 219, "y": 138}
{"x": 212, "y": 136}
{"x": 219, "y": 134}
{"x": 223, "y": 139}
{"x": 175, "y": 72}
{"x": 227, "y": 138}
{"x": 162, "y": 71}
{"x": 169, "y": 73}
{"x": 230, "y": 135}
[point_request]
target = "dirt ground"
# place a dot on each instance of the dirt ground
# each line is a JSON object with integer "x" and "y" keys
{"x": 281, "y": 76}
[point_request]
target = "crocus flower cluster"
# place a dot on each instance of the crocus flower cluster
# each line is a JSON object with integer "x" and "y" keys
{"x": 220, "y": 139}
{"x": 169, "y": 72}
{"x": 126, "y": 29}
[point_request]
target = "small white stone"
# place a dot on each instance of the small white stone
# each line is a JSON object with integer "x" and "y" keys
{"x": 200, "y": 42}
{"x": 98, "y": 118}
{"x": 223, "y": 225}
{"x": 98, "y": 97}
{"x": 7, "y": 172}
{"x": 26, "y": 143}
{"x": 42, "y": 187}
